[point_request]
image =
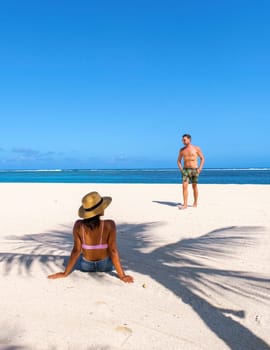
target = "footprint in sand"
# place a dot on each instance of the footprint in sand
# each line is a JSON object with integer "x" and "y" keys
{"x": 101, "y": 306}
{"x": 124, "y": 330}
{"x": 100, "y": 302}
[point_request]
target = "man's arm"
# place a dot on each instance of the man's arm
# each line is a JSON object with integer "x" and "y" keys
{"x": 201, "y": 156}
{"x": 179, "y": 159}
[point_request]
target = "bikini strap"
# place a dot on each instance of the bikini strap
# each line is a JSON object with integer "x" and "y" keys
{"x": 83, "y": 233}
{"x": 102, "y": 226}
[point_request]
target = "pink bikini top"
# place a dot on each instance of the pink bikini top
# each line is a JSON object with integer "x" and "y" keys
{"x": 96, "y": 246}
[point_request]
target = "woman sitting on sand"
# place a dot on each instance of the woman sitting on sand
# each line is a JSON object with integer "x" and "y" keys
{"x": 94, "y": 240}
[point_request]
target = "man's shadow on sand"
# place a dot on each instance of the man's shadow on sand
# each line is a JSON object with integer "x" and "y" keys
{"x": 176, "y": 266}
{"x": 170, "y": 204}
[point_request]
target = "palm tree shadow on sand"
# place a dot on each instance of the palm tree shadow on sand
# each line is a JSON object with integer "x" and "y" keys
{"x": 177, "y": 268}
{"x": 50, "y": 250}
{"x": 181, "y": 267}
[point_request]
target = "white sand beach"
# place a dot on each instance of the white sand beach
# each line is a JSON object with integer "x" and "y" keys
{"x": 202, "y": 275}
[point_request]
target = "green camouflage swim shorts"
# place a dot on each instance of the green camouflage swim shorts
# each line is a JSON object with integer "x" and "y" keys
{"x": 190, "y": 174}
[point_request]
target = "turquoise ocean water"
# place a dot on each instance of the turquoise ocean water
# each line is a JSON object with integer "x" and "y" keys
{"x": 148, "y": 176}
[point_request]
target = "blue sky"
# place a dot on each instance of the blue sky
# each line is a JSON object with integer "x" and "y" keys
{"x": 114, "y": 84}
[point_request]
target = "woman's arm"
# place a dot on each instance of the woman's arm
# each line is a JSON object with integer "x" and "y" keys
{"x": 75, "y": 253}
{"x": 113, "y": 251}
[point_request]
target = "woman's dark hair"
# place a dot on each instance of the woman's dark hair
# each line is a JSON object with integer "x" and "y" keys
{"x": 93, "y": 222}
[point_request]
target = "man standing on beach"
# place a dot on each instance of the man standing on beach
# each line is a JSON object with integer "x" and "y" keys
{"x": 190, "y": 171}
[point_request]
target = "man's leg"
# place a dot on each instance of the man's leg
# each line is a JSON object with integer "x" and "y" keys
{"x": 195, "y": 194}
{"x": 185, "y": 194}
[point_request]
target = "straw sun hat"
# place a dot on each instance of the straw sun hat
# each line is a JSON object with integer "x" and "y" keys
{"x": 93, "y": 204}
